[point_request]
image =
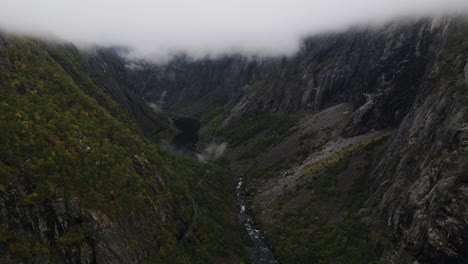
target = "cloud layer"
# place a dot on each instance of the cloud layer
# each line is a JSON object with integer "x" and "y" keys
{"x": 157, "y": 29}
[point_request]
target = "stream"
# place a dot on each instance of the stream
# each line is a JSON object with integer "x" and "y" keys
{"x": 259, "y": 252}
{"x": 185, "y": 142}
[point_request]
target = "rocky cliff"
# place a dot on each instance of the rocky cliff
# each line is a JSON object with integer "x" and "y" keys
{"x": 369, "y": 68}
{"x": 406, "y": 77}
{"x": 420, "y": 185}
{"x": 354, "y": 150}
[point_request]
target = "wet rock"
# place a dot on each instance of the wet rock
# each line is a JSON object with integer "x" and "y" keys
{"x": 259, "y": 252}
{"x": 108, "y": 244}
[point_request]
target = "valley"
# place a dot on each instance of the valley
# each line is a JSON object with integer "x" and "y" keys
{"x": 325, "y": 141}
{"x": 353, "y": 150}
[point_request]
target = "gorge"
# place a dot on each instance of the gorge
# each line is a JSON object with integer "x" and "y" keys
{"x": 353, "y": 150}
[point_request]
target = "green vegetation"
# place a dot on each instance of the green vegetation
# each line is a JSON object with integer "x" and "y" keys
{"x": 6, "y": 234}
{"x": 346, "y": 153}
{"x": 212, "y": 119}
{"x": 276, "y": 126}
{"x": 27, "y": 246}
{"x": 61, "y": 132}
{"x": 320, "y": 223}
{"x": 74, "y": 235}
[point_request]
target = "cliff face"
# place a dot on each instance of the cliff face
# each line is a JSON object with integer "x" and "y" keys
{"x": 354, "y": 150}
{"x": 420, "y": 184}
{"x": 410, "y": 77}
{"x": 376, "y": 69}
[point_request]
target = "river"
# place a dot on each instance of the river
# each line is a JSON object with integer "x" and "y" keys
{"x": 259, "y": 252}
{"x": 185, "y": 141}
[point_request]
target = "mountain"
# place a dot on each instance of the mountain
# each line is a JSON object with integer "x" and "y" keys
{"x": 330, "y": 69}
{"x": 108, "y": 72}
{"x": 80, "y": 183}
{"x": 353, "y": 150}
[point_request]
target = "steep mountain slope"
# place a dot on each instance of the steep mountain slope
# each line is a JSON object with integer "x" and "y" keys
{"x": 104, "y": 69}
{"x": 420, "y": 184}
{"x": 387, "y": 63}
{"x": 80, "y": 184}
{"x": 353, "y": 150}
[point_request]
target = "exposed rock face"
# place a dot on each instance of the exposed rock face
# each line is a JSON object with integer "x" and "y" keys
{"x": 47, "y": 222}
{"x": 102, "y": 242}
{"x": 377, "y": 70}
{"x": 412, "y": 76}
{"x": 420, "y": 185}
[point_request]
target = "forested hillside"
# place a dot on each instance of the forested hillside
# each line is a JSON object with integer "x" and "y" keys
{"x": 80, "y": 184}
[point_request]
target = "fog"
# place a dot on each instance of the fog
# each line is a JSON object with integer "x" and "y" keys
{"x": 156, "y": 30}
{"x": 212, "y": 151}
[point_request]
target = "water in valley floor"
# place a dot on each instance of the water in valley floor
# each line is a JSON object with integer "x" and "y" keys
{"x": 259, "y": 252}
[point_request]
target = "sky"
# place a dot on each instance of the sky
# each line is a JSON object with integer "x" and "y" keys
{"x": 156, "y": 29}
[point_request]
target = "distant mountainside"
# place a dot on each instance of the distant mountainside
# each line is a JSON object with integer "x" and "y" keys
{"x": 384, "y": 65}
{"x": 353, "y": 150}
{"x": 108, "y": 72}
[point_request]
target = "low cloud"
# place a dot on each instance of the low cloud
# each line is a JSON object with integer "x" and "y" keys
{"x": 156, "y": 108}
{"x": 212, "y": 152}
{"x": 157, "y": 30}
